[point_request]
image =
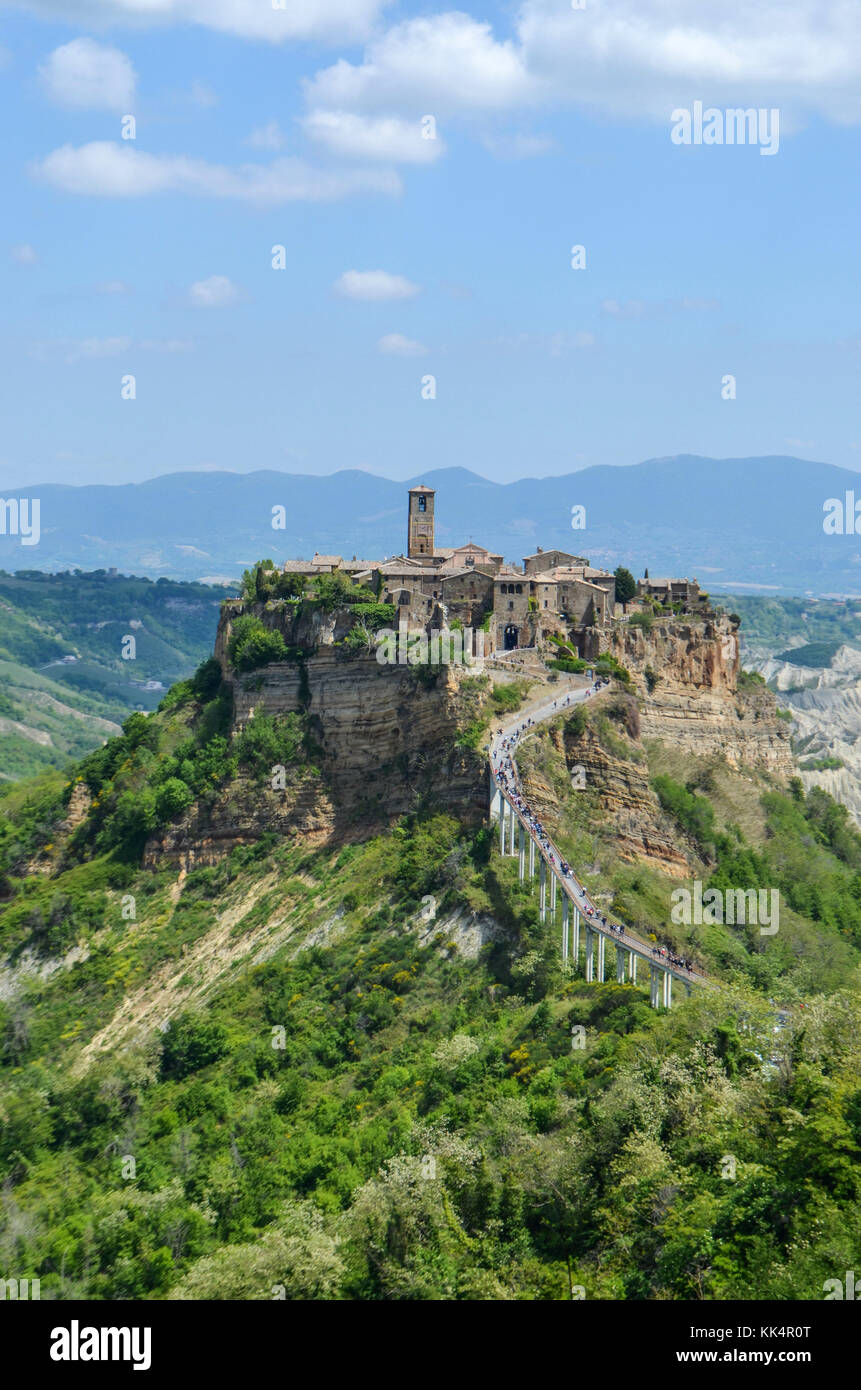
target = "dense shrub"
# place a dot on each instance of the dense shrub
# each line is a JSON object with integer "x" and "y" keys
{"x": 267, "y": 740}
{"x": 693, "y": 813}
{"x": 172, "y": 798}
{"x": 253, "y": 645}
{"x": 191, "y": 1042}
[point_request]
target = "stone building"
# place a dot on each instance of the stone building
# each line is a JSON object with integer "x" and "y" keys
{"x": 432, "y": 586}
{"x": 544, "y": 560}
{"x": 669, "y": 591}
{"x": 420, "y": 538}
{"x": 513, "y": 624}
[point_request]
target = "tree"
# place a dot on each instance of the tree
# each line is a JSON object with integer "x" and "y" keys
{"x": 191, "y": 1042}
{"x": 626, "y": 586}
{"x": 172, "y": 799}
{"x": 252, "y": 644}
{"x": 259, "y": 582}
{"x": 206, "y": 680}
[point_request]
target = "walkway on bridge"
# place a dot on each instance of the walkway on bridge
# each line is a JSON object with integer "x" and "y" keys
{"x": 519, "y": 826}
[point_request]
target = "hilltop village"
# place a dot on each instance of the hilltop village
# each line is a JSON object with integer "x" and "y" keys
{"x": 552, "y": 596}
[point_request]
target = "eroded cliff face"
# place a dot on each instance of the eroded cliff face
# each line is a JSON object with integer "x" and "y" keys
{"x": 386, "y": 746}
{"x": 686, "y": 675}
{"x": 614, "y": 782}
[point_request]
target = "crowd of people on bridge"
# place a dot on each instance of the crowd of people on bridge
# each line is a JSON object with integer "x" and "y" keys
{"x": 507, "y": 778}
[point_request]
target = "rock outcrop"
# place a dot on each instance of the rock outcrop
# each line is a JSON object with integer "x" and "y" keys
{"x": 386, "y": 741}
{"x": 618, "y": 780}
{"x": 686, "y": 675}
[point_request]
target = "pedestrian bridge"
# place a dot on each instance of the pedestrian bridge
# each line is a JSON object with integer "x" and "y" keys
{"x": 585, "y": 931}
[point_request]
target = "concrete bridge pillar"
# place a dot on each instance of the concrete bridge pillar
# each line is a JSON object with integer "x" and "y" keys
{"x": 654, "y": 986}
{"x": 552, "y": 896}
{"x": 620, "y": 965}
{"x": 531, "y": 861}
{"x": 565, "y": 907}
{"x": 601, "y": 944}
{"x": 512, "y": 821}
{"x": 502, "y": 828}
{"x": 575, "y": 938}
{"x": 668, "y": 990}
{"x": 590, "y": 958}
{"x": 542, "y": 890}
{"x": 522, "y": 852}
{"x": 632, "y": 967}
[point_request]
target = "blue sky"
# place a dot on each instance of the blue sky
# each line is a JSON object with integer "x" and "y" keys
{"x": 407, "y": 257}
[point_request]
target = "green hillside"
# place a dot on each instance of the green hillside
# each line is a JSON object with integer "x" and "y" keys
{"x": 65, "y": 683}
{"x": 769, "y": 622}
{"x": 299, "y": 1069}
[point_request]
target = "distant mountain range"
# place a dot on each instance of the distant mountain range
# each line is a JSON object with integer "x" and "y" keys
{"x": 753, "y": 522}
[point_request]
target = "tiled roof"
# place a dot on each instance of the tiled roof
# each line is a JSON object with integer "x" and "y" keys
{"x": 445, "y": 574}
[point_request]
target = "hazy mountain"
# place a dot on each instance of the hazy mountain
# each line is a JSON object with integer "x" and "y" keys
{"x": 726, "y": 521}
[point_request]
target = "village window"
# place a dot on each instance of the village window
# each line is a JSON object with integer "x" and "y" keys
{"x": 545, "y": 603}
{"x": 510, "y": 604}
{"x": 404, "y": 600}
{"x": 518, "y": 588}
{"x": 422, "y": 504}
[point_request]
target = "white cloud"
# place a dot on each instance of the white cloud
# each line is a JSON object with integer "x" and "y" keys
{"x": 93, "y": 349}
{"x": 217, "y": 292}
{"x": 113, "y": 287}
{"x": 517, "y": 146}
{"x": 81, "y": 349}
{"x": 436, "y": 65}
{"x": 24, "y": 254}
{"x": 624, "y": 309}
{"x": 640, "y": 308}
{"x": 396, "y": 345}
{"x": 115, "y": 170}
{"x": 85, "y": 74}
{"x": 250, "y": 19}
{"x": 103, "y": 347}
{"x": 642, "y": 60}
{"x": 389, "y": 138}
{"x": 553, "y": 343}
{"x": 166, "y": 344}
{"x": 374, "y": 285}
{"x": 638, "y": 59}
{"x": 267, "y": 137}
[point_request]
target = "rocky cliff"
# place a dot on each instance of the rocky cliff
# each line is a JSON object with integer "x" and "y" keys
{"x": 602, "y": 766}
{"x": 386, "y": 744}
{"x": 686, "y": 675}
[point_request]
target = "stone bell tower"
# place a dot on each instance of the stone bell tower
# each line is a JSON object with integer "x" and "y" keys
{"x": 420, "y": 534}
